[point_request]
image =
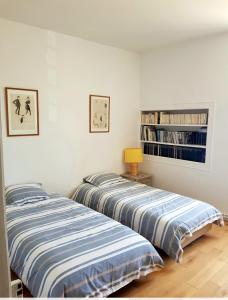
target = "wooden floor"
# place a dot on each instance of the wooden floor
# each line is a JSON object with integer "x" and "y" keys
{"x": 202, "y": 273}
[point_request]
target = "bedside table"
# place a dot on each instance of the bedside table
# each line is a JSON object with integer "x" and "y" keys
{"x": 141, "y": 177}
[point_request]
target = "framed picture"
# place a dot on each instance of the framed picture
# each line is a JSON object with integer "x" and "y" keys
{"x": 99, "y": 110}
{"x": 22, "y": 112}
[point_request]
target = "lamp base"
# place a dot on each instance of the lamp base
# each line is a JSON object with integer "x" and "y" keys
{"x": 134, "y": 169}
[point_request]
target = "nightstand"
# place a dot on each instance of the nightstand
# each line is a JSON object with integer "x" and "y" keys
{"x": 141, "y": 177}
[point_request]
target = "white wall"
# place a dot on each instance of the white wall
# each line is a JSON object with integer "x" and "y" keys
{"x": 192, "y": 72}
{"x": 66, "y": 70}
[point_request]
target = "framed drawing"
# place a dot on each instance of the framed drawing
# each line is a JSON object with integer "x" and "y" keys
{"x": 22, "y": 112}
{"x": 99, "y": 111}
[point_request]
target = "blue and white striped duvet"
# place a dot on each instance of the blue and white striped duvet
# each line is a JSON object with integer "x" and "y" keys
{"x": 60, "y": 248}
{"x": 164, "y": 218}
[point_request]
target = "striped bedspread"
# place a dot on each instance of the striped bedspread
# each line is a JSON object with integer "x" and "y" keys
{"x": 60, "y": 248}
{"x": 163, "y": 218}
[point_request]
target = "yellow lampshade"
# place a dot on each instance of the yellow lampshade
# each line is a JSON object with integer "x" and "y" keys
{"x": 133, "y": 155}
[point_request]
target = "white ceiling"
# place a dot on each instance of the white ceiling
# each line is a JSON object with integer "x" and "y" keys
{"x": 137, "y": 25}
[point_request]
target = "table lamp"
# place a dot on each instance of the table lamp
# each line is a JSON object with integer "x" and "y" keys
{"x": 133, "y": 156}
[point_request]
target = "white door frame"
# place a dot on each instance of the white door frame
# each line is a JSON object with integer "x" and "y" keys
{"x": 5, "y": 290}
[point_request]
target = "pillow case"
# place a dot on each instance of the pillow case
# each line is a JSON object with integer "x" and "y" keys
{"x": 19, "y": 194}
{"x": 104, "y": 179}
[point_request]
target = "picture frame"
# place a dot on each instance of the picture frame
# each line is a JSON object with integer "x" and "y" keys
{"x": 99, "y": 114}
{"x": 22, "y": 112}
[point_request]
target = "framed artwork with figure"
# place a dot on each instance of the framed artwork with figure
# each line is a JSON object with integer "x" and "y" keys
{"x": 99, "y": 110}
{"x": 22, "y": 112}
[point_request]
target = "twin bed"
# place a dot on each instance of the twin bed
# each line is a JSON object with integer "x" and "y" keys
{"x": 168, "y": 220}
{"x": 63, "y": 248}
{"x": 60, "y": 248}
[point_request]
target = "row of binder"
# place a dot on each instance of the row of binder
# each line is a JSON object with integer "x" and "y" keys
{"x": 177, "y": 152}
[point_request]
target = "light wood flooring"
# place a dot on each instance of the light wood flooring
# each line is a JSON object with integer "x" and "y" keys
{"x": 202, "y": 273}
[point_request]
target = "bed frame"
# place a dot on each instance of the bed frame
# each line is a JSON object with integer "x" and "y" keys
{"x": 188, "y": 240}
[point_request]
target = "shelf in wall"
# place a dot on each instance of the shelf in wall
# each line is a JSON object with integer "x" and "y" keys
{"x": 178, "y": 145}
{"x": 185, "y": 131}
